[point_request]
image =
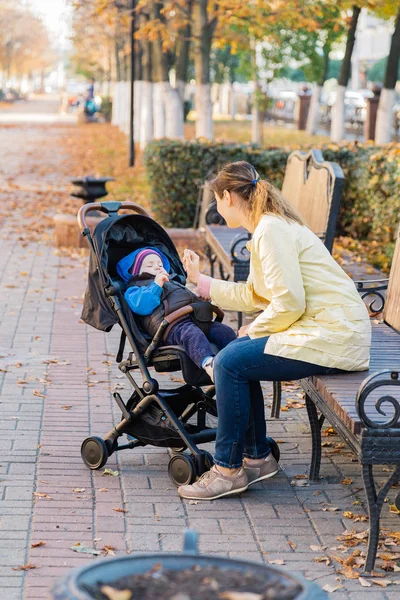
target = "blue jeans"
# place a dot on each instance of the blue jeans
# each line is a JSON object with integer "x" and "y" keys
{"x": 238, "y": 370}
{"x": 196, "y": 344}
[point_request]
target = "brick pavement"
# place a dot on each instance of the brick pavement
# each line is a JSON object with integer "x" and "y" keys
{"x": 47, "y": 495}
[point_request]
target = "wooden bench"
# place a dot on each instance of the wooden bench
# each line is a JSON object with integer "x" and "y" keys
{"x": 365, "y": 412}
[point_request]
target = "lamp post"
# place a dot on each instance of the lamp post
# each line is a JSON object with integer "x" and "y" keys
{"x": 131, "y": 111}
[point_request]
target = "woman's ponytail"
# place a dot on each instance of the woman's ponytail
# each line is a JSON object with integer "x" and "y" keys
{"x": 258, "y": 195}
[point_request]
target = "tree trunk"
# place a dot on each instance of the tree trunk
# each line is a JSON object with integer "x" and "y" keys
{"x": 314, "y": 113}
{"x": 182, "y": 54}
{"x": 168, "y": 109}
{"x": 146, "y": 113}
{"x": 384, "y": 121}
{"x": 203, "y": 30}
{"x": 255, "y": 111}
{"x": 117, "y": 62}
{"x": 138, "y": 91}
{"x": 337, "y": 124}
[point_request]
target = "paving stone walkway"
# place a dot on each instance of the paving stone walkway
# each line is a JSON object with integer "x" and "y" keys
{"x": 56, "y": 379}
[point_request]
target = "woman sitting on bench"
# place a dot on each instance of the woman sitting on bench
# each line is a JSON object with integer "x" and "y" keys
{"x": 311, "y": 321}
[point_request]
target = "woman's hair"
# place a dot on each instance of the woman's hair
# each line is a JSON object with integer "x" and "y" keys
{"x": 258, "y": 196}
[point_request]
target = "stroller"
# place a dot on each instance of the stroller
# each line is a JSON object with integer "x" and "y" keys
{"x": 151, "y": 416}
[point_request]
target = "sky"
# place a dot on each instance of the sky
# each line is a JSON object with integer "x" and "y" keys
{"x": 55, "y": 14}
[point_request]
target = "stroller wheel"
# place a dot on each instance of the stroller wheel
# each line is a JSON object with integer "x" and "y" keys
{"x": 94, "y": 452}
{"x": 182, "y": 469}
{"x": 276, "y": 453}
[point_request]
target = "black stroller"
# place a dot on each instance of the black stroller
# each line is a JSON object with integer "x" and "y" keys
{"x": 151, "y": 415}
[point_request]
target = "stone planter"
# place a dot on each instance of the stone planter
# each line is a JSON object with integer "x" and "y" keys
{"x": 66, "y": 230}
{"x": 109, "y": 571}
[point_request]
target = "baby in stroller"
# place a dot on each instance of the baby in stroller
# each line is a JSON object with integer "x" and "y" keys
{"x": 151, "y": 295}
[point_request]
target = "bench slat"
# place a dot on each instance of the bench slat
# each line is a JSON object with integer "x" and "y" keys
{"x": 339, "y": 391}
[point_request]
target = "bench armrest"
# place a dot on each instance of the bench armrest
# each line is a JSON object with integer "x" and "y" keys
{"x": 382, "y": 379}
{"x": 373, "y": 288}
{"x": 239, "y": 252}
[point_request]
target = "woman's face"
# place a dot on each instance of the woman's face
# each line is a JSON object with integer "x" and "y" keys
{"x": 229, "y": 210}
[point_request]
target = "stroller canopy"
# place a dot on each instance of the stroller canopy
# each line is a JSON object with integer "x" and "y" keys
{"x": 114, "y": 238}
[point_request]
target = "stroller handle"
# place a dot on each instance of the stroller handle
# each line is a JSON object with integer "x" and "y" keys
{"x": 110, "y": 208}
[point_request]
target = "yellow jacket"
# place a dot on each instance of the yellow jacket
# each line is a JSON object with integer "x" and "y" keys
{"x": 309, "y": 307}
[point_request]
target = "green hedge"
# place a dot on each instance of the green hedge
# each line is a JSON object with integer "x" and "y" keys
{"x": 370, "y": 205}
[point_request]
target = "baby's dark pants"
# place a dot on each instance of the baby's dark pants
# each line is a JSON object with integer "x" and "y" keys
{"x": 195, "y": 342}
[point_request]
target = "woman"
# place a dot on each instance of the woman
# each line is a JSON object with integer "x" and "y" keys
{"x": 311, "y": 321}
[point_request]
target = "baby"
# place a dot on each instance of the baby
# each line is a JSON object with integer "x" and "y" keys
{"x": 151, "y": 295}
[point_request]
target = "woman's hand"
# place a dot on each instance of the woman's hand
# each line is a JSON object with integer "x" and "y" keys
{"x": 191, "y": 262}
{"x": 243, "y": 331}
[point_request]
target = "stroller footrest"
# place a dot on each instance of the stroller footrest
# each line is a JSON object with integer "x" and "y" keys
{"x": 206, "y": 435}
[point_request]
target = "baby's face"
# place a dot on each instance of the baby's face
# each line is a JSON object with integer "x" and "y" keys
{"x": 152, "y": 264}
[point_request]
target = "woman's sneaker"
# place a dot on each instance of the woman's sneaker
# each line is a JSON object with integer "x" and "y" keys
{"x": 212, "y": 485}
{"x": 268, "y": 468}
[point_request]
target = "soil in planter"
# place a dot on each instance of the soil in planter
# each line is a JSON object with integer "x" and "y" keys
{"x": 198, "y": 583}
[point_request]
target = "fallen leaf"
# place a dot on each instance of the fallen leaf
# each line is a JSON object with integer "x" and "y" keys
{"x": 382, "y": 582}
{"x": 393, "y": 509}
{"x": 42, "y": 495}
{"x": 349, "y": 573}
{"x": 121, "y": 510}
{"x": 113, "y": 594}
{"x": 38, "y": 394}
{"x": 330, "y": 509}
{"x": 67, "y": 407}
{"x": 356, "y": 518}
{"x": 103, "y": 490}
{"x": 292, "y": 545}
{"x": 277, "y": 561}
{"x": 301, "y": 483}
{"x": 346, "y": 481}
{"x": 37, "y": 544}
{"x": 85, "y": 550}
{"x": 322, "y": 559}
{"x": 109, "y": 550}
{"x": 331, "y": 588}
{"x": 78, "y": 490}
{"x": 26, "y": 567}
{"x": 364, "y": 582}
{"x": 110, "y": 472}
{"x": 317, "y": 548}
{"x": 193, "y": 501}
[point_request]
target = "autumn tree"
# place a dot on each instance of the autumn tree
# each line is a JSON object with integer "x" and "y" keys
{"x": 25, "y": 46}
{"x": 387, "y": 99}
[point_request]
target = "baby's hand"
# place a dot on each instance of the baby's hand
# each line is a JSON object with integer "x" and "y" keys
{"x": 161, "y": 278}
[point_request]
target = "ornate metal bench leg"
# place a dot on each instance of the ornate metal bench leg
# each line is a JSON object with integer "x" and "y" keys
{"x": 211, "y": 258}
{"x": 375, "y": 502}
{"x": 276, "y": 400}
{"x": 315, "y": 424}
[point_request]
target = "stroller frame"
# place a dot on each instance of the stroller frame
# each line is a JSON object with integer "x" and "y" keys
{"x": 183, "y": 468}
